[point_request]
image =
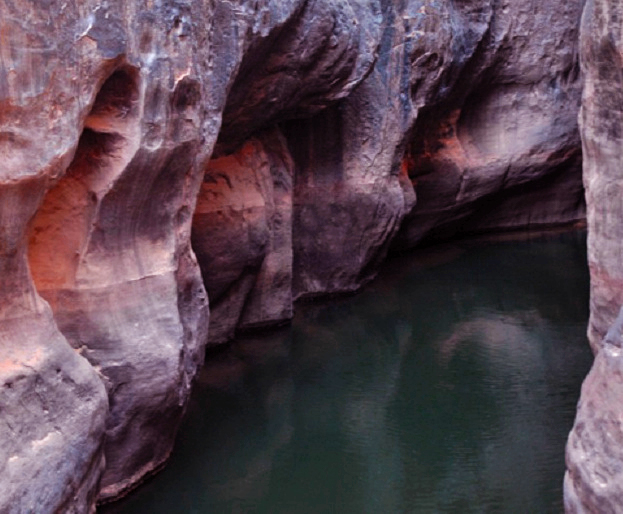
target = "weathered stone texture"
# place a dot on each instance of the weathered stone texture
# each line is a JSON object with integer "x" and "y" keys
{"x": 502, "y": 116}
{"x": 601, "y": 121}
{"x": 302, "y": 127}
{"x": 595, "y": 446}
{"x": 102, "y": 129}
{"x": 53, "y": 409}
{"x": 350, "y": 190}
{"x": 315, "y": 57}
{"x": 594, "y": 478}
{"x": 242, "y": 234}
{"x": 109, "y": 246}
{"x": 53, "y": 405}
{"x": 318, "y": 58}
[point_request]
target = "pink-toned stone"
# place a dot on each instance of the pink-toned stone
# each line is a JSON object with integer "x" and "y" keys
{"x": 242, "y": 234}
{"x": 593, "y": 482}
{"x": 495, "y": 144}
{"x": 594, "y": 478}
{"x": 326, "y": 114}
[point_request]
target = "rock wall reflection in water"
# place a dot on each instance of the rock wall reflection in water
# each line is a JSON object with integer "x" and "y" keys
{"x": 447, "y": 385}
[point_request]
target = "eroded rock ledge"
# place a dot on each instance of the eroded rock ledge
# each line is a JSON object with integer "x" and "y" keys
{"x": 291, "y": 138}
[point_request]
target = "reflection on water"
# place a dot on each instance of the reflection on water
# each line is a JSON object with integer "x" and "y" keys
{"x": 448, "y": 385}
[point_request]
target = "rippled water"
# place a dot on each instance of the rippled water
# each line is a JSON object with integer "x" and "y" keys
{"x": 448, "y": 385}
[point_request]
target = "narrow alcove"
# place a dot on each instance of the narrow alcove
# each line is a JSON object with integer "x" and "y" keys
{"x": 59, "y": 232}
{"x": 242, "y": 235}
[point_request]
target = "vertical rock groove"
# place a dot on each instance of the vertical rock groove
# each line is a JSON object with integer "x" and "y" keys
{"x": 60, "y": 231}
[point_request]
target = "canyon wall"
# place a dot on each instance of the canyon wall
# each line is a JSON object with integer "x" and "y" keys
{"x": 294, "y": 142}
{"x": 595, "y": 446}
{"x": 495, "y": 144}
{"x": 465, "y": 109}
{"x": 103, "y": 135}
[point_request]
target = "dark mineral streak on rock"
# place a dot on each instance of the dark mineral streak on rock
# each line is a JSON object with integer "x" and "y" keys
{"x": 350, "y": 191}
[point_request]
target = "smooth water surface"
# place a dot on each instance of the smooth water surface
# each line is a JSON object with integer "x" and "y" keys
{"x": 449, "y": 384}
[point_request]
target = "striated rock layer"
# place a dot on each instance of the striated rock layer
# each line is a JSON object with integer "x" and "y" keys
{"x": 465, "y": 108}
{"x": 290, "y": 139}
{"x": 595, "y": 446}
{"x": 495, "y": 144}
{"x": 593, "y": 481}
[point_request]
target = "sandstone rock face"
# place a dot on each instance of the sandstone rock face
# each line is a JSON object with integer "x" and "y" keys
{"x": 595, "y": 446}
{"x": 102, "y": 133}
{"x": 53, "y": 409}
{"x": 350, "y": 189}
{"x": 348, "y": 196}
{"x": 593, "y": 482}
{"x": 496, "y": 143}
{"x": 242, "y": 228}
{"x": 601, "y": 125}
{"x": 110, "y": 253}
{"x": 288, "y": 137}
{"x": 107, "y": 138}
{"x": 314, "y": 57}
{"x": 53, "y": 405}
{"x": 242, "y": 235}
{"x": 454, "y": 105}
{"x": 109, "y": 246}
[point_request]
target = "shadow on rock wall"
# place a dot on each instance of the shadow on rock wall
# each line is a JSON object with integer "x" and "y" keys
{"x": 331, "y": 116}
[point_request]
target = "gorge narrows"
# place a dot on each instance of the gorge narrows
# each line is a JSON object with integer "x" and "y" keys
{"x": 178, "y": 174}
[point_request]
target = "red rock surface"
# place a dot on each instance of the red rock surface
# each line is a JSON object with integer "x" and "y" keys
{"x": 291, "y": 138}
{"x": 496, "y": 144}
{"x": 242, "y": 235}
{"x": 595, "y": 450}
